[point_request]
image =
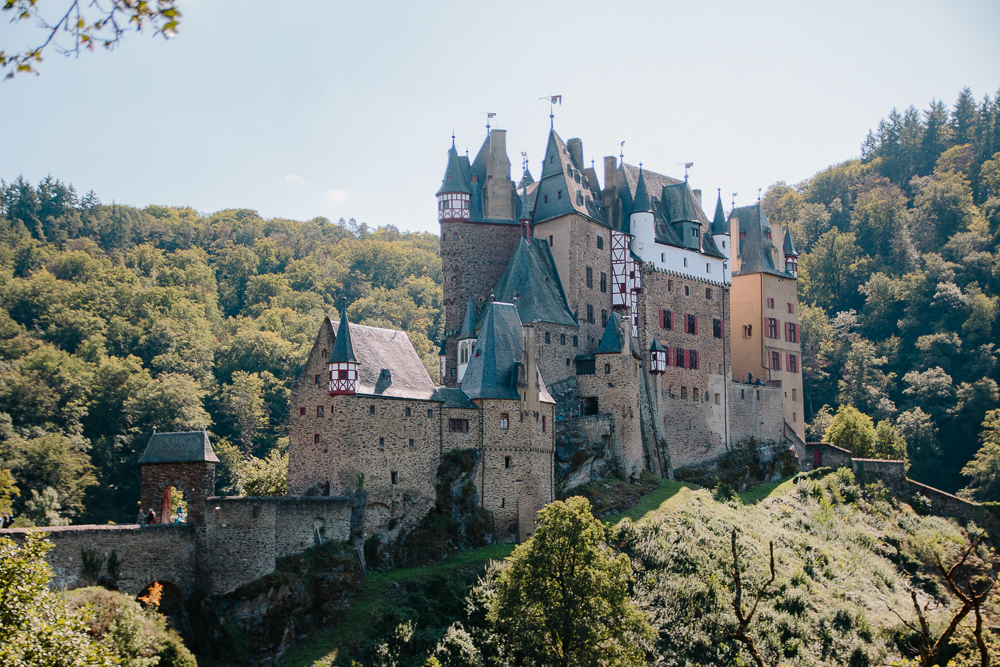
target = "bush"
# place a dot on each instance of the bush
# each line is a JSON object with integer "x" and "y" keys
{"x": 921, "y": 504}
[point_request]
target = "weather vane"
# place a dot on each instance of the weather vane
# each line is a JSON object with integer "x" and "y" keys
{"x": 489, "y": 115}
{"x": 553, "y": 100}
{"x": 687, "y": 165}
{"x": 621, "y": 154}
{"x": 524, "y": 160}
{"x": 734, "y": 200}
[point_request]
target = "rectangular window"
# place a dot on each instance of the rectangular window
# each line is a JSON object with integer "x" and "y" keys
{"x": 708, "y": 269}
{"x": 302, "y": 411}
{"x": 590, "y": 278}
{"x": 576, "y": 341}
{"x": 562, "y": 339}
{"x": 504, "y": 421}
{"x": 708, "y": 293}
{"x": 604, "y": 280}
{"x": 607, "y": 369}
{"x": 667, "y": 319}
{"x": 394, "y": 477}
{"x": 793, "y": 367}
{"x": 718, "y": 400}
{"x": 506, "y": 462}
{"x": 694, "y": 359}
{"x": 717, "y": 328}
{"x": 604, "y": 318}
{"x": 317, "y": 378}
{"x": 684, "y": 392}
{"x": 371, "y": 409}
{"x": 543, "y": 423}
{"x": 550, "y": 236}
{"x": 315, "y": 438}
{"x": 775, "y": 360}
{"x": 548, "y": 337}
{"x": 791, "y": 308}
{"x": 791, "y": 332}
{"x": 430, "y": 413}
{"x": 407, "y": 412}
{"x": 590, "y": 314}
{"x": 692, "y": 324}
{"x": 319, "y": 410}
{"x": 772, "y": 327}
{"x": 503, "y": 502}
{"x": 585, "y": 367}
{"x": 770, "y": 303}
{"x": 795, "y": 392}
{"x": 670, "y": 285}
{"x": 381, "y": 442}
{"x": 412, "y": 443}
{"x": 600, "y": 243}
{"x": 458, "y": 425}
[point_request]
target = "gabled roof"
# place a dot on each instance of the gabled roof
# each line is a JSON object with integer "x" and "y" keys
{"x": 561, "y": 182}
{"x": 454, "y": 176}
{"x": 343, "y": 347}
{"x": 787, "y": 246}
{"x": 468, "y": 329}
{"x": 492, "y": 370}
{"x": 531, "y": 282}
{"x": 754, "y": 246}
{"x": 611, "y": 341}
{"x": 679, "y": 204}
{"x": 496, "y": 358}
{"x": 182, "y": 447}
{"x": 391, "y": 350}
{"x": 719, "y": 221}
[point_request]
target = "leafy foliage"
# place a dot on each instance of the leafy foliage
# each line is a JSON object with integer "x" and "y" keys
{"x": 116, "y": 320}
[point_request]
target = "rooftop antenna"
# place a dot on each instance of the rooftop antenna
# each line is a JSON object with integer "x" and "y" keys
{"x": 687, "y": 165}
{"x": 489, "y": 115}
{"x": 553, "y": 100}
{"x": 621, "y": 153}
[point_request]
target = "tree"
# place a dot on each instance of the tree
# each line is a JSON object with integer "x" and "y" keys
{"x": 38, "y": 629}
{"x": 920, "y": 434}
{"x": 267, "y": 476}
{"x": 852, "y": 430}
{"x": 54, "y": 472}
{"x": 984, "y": 469}
{"x": 8, "y": 491}
{"x": 562, "y": 597}
{"x": 889, "y": 443}
{"x": 744, "y": 617}
{"x": 243, "y": 402}
{"x": 86, "y": 24}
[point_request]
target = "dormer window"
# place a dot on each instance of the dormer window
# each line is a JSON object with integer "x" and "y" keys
{"x": 559, "y": 195}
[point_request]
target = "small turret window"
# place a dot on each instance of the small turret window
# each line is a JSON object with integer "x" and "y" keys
{"x": 559, "y": 194}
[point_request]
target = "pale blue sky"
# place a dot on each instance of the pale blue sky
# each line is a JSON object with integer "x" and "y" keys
{"x": 333, "y": 108}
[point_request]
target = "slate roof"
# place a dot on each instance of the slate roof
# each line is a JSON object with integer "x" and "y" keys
{"x": 656, "y": 347}
{"x": 343, "y": 348}
{"x": 754, "y": 246}
{"x": 468, "y": 329}
{"x": 182, "y": 447}
{"x": 526, "y": 178}
{"x": 788, "y": 246}
{"x": 379, "y": 349}
{"x": 496, "y": 358}
{"x": 641, "y": 201}
{"x": 531, "y": 282}
{"x": 679, "y": 204}
{"x": 611, "y": 341}
{"x": 719, "y": 225}
{"x": 560, "y": 174}
{"x": 454, "y": 176}
{"x": 453, "y": 398}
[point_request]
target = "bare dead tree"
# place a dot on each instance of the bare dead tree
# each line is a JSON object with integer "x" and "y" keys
{"x": 971, "y": 599}
{"x": 85, "y": 23}
{"x": 744, "y": 619}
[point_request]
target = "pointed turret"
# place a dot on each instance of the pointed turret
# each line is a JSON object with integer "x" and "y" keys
{"x": 342, "y": 363}
{"x": 719, "y": 221}
{"x": 641, "y": 203}
{"x": 493, "y": 367}
{"x": 611, "y": 341}
{"x": 453, "y": 195}
{"x": 791, "y": 256}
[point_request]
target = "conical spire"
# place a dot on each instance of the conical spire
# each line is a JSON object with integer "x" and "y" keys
{"x": 788, "y": 247}
{"x": 719, "y": 222}
{"x": 640, "y": 203}
{"x": 454, "y": 180}
{"x": 526, "y": 178}
{"x": 611, "y": 341}
{"x": 469, "y": 325}
{"x": 343, "y": 348}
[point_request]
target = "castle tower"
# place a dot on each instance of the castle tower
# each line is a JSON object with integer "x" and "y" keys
{"x": 477, "y": 206}
{"x": 184, "y": 461}
{"x": 791, "y": 256}
{"x": 342, "y": 364}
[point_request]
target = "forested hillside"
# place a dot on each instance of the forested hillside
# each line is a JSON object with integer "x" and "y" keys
{"x": 115, "y": 320}
{"x": 899, "y": 279}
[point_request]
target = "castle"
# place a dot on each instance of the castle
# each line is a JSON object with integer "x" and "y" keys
{"x": 588, "y": 330}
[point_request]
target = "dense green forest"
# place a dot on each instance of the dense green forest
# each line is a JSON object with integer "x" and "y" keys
{"x": 899, "y": 284}
{"x": 115, "y": 320}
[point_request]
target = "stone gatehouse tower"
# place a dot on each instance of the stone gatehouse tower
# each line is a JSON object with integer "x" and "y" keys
{"x": 182, "y": 460}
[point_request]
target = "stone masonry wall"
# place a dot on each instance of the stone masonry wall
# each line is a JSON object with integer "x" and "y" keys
{"x": 196, "y": 480}
{"x": 471, "y": 266}
{"x": 755, "y": 411}
{"x": 459, "y": 439}
{"x": 162, "y": 552}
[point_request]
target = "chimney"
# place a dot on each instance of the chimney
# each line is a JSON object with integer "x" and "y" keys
{"x": 610, "y": 167}
{"x": 697, "y": 195}
{"x": 498, "y": 200}
{"x": 529, "y": 366}
{"x": 575, "y": 147}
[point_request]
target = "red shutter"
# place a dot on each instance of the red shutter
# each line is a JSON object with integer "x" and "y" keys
{"x": 687, "y": 358}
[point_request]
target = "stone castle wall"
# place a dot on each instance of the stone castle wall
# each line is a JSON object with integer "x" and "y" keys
{"x": 160, "y": 552}
{"x": 755, "y": 411}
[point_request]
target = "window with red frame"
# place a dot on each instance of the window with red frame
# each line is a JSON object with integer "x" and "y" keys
{"x": 775, "y": 361}
{"x": 315, "y": 438}
{"x": 302, "y": 411}
{"x": 791, "y": 308}
{"x": 772, "y": 327}
{"x": 770, "y": 303}
{"x": 504, "y": 421}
